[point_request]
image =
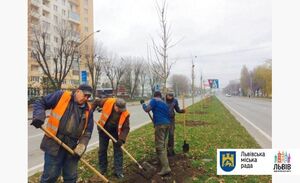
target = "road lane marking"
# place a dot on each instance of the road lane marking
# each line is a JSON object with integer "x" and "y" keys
{"x": 33, "y": 136}
{"x": 249, "y": 122}
{"x": 32, "y": 170}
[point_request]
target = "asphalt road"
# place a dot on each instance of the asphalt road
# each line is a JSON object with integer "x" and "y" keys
{"x": 254, "y": 114}
{"x": 36, "y": 156}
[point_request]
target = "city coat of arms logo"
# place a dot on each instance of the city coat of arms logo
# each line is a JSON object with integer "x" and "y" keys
{"x": 227, "y": 160}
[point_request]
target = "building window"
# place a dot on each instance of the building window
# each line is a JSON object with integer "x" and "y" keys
{"x": 86, "y": 29}
{"x": 54, "y": 7}
{"x": 55, "y": 19}
{"x": 34, "y": 68}
{"x": 86, "y": 2}
{"x": 63, "y": 2}
{"x": 86, "y": 20}
{"x": 46, "y": 25}
{"x": 35, "y": 78}
{"x": 63, "y": 12}
{"x": 55, "y": 39}
{"x": 85, "y": 11}
{"x": 75, "y": 72}
{"x": 47, "y": 37}
{"x": 74, "y": 82}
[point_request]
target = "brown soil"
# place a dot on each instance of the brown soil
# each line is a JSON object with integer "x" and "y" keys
{"x": 181, "y": 170}
{"x": 194, "y": 123}
{"x": 198, "y": 112}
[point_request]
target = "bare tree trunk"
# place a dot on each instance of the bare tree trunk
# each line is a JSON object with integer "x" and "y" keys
{"x": 55, "y": 64}
{"x": 160, "y": 64}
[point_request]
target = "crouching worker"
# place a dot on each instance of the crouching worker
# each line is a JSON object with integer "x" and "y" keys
{"x": 115, "y": 120}
{"x": 71, "y": 120}
{"x": 161, "y": 120}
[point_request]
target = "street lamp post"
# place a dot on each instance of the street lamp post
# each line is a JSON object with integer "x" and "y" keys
{"x": 81, "y": 44}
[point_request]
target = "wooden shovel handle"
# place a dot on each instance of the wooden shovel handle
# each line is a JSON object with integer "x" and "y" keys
{"x": 72, "y": 152}
{"x": 184, "y": 116}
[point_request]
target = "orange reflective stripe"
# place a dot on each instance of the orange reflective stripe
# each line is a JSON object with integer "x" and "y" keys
{"x": 57, "y": 112}
{"x": 106, "y": 110}
{"x": 122, "y": 120}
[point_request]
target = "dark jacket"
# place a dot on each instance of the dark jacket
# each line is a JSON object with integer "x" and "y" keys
{"x": 71, "y": 123}
{"x": 112, "y": 121}
{"x": 160, "y": 110}
{"x": 173, "y": 106}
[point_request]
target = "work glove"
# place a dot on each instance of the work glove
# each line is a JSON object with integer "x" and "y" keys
{"x": 79, "y": 150}
{"x": 119, "y": 143}
{"x": 142, "y": 101}
{"x": 37, "y": 123}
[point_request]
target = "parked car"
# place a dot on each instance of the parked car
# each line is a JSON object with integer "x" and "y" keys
{"x": 228, "y": 95}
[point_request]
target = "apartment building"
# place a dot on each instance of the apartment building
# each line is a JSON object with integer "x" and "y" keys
{"x": 49, "y": 15}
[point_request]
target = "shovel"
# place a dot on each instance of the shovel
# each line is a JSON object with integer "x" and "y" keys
{"x": 72, "y": 152}
{"x": 147, "y": 170}
{"x": 185, "y": 146}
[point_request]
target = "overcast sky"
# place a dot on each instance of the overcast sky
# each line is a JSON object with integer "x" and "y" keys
{"x": 223, "y": 34}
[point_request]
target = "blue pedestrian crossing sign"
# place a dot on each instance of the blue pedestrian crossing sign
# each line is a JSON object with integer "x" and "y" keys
{"x": 84, "y": 77}
{"x": 213, "y": 83}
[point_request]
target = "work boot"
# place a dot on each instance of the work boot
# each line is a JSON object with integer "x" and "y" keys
{"x": 171, "y": 152}
{"x": 103, "y": 172}
{"x": 119, "y": 175}
{"x": 165, "y": 168}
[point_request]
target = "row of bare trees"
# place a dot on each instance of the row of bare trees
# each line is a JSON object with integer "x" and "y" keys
{"x": 133, "y": 72}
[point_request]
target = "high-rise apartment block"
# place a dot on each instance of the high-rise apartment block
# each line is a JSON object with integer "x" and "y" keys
{"x": 51, "y": 16}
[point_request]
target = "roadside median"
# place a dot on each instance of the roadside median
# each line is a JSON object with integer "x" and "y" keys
{"x": 209, "y": 126}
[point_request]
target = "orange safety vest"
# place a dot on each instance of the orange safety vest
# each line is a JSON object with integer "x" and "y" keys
{"x": 106, "y": 111}
{"x": 58, "y": 111}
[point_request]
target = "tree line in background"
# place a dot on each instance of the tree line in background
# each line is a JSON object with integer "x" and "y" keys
{"x": 257, "y": 82}
{"x": 134, "y": 73}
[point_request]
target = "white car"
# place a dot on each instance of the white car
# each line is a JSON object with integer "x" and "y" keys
{"x": 228, "y": 95}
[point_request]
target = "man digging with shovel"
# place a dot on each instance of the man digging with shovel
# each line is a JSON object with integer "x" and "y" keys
{"x": 71, "y": 121}
{"x": 161, "y": 120}
{"x": 115, "y": 120}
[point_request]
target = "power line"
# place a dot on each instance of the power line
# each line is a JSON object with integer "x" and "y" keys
{"x": 223, "y": 53}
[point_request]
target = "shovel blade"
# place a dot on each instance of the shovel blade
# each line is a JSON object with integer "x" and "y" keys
{"x": 185, "y": 147}
{"x": 148, "y": 170}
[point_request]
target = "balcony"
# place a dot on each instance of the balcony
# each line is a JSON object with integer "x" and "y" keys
{"x": 75, "y": 36}
{"x": 35, "y": 14}
{"x": 74, "y": 17}
{"x": 74, "y": 2}
{"x": 46, "y": 5}
{"x": 36, "y": 3}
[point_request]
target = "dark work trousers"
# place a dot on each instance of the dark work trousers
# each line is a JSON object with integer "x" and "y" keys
{"x": 64, "y": 162}
{"x": 171, "y": 136}
{"x": 118, "y": 154}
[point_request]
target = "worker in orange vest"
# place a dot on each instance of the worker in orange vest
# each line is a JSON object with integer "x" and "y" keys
{"x": 114, "y": 119}
{"x": 71, "y": 120}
